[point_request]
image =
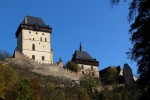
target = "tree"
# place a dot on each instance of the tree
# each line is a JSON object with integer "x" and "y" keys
{"x": 22, "y": 91}
{"x": 8, "y": 78}
{"x": 2, "y": 83}
{"x": 111, "y": 76}
{"x": 140, "y": 31}
{"x": 89, "y": 82}
{"x": 72, "y": 66}
{"x": 140, "y": 38}
{"x": 4, "y": 54}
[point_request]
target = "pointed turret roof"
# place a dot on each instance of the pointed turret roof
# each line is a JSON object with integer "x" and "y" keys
{"x": 81, "y": 55}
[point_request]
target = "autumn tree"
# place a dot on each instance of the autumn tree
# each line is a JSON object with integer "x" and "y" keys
{"x": 111, "y": 76}
{"x": 72, "y": 66}
{"x": 23, "y": 91}
{"x": 89, "y": 82}
{"x": 8, "y": 78}
{"x": 2, "y": 83}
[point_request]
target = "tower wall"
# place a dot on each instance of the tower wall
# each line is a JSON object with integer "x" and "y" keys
{"x": 41, "y": 41}
{"x": 19, "y": 42}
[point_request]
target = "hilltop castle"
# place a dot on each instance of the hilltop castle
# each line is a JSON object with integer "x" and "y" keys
{"x": 34, "y": 40}
{"x": 34, "y": 49}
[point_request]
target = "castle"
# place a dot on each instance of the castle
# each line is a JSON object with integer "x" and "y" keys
{"x": 34, "y": 47}
{"x": 34, "y": 40}
{"x": 86, "y": 62}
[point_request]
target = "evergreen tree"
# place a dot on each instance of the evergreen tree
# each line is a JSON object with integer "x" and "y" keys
{"x": 140, "y": 37}
{"x": 140, "y": 32}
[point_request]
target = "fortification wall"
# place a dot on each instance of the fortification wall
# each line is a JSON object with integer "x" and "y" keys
{"x": 42, "y": 68}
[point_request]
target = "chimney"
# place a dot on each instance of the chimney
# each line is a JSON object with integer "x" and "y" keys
{"x": 25, "y": 19}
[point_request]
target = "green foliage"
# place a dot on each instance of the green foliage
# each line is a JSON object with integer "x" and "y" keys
{"x": 141, "y": 42}
{"x": 89, "y": 82}
{"x": 23, "y": 91}
{"x": 72, "y": 66}
{"x": 139, "y": 29}
{"x": 9, "y": 74}
{"x": 33, "y": 86}
{"x": 121, "y": 93}
{"x": 8, "y": 77}
{"x": 111, "y": 76}
{"x": 1, "y": 57}
{"x": 2, "y": 94}
{"x": 76, "y": 93}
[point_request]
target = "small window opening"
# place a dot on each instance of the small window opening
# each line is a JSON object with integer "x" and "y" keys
{"x": 91, "y": 68}
{"x": 33, "y": 47}
{"x": 33, "y": 57}
{"x": 83, "y": 72}
{"x": 92, "y": 74}
{"x": 45, "y": 39}
{"x": 43, "y": 58}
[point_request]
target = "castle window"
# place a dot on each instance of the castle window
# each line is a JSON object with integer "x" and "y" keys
{"x": 36, "y": 33}
{"x": 45, "y": 39}
{"x": 29, "y": 31}
{"x": 82, "y": 66}
{"x": 83, "y": 72}
{"x": 92, "y": 74}
{"x": 91, "y": 68}
{"x": 33, "y": 38}
{"x": 33, "y": 47}
{"x": 42, "y": 57}
{"x": 42, "y": 33}
{"x": 33, "y": 57}
{"x": 40, "y": 38}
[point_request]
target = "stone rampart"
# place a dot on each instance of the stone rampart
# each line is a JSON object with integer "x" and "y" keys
{"x": 41, "y": 68}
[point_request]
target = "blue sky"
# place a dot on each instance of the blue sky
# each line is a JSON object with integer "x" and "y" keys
{"x": 103, "y": 31}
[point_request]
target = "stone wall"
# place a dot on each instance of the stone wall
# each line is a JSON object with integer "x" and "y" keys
{"x": 127, "y": 74}
{"x": 41, "y": 68}
{"x": 42, "y": 45}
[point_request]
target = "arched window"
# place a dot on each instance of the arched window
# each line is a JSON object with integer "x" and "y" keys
{"x": 45, "y": 39}
{"x": 33, "y": 47}
{"x": 91, "y": 68}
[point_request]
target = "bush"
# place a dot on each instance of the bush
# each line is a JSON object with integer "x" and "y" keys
{"x": 72, "y": 66}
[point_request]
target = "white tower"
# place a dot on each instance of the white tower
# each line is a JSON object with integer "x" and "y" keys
{"x": 34, "y": 40}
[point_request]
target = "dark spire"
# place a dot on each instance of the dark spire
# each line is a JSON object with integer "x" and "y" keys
{"x": 60, "y": 60}
{"x": 80, "y": 46}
